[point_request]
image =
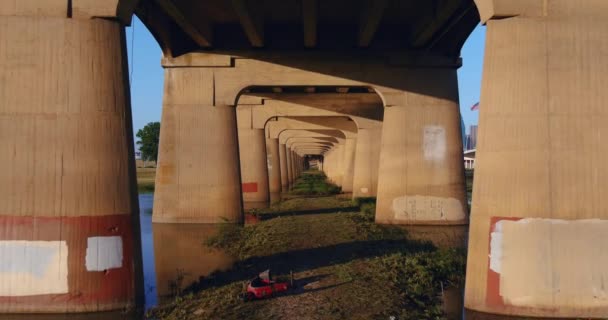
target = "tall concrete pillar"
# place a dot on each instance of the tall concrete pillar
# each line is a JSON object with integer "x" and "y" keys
{"x": 338, "y": 163}
{"x": 348, "y": 163}
{"x": 328, "y": 164}
{"x": 198, "y": 178}
{"x": 284, "y": 167}
{"x": 367, "y": 160}
{"x": 539, "y": 223}
{"x": 421, "y": 175}
{"x": 69, "y": 220}
{"x": 293, "y": 166}
{"x": 289, "y": 166}
{"x": 254, "y": 168}
{"x": 274, "y": 168}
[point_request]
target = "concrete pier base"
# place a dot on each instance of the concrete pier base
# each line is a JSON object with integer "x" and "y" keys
{"x": 284, "y": 168}
{"x": 254, "y": 168}
{"x": 367, "y": 158}
{"x": 198, "y": 178}
{"x": 274, "y": 166}
{"x": 421, "y": 175}
{"x": 348, "y": 163}
{"x": 69, "y": 239}
{"x": 539, "y": 223}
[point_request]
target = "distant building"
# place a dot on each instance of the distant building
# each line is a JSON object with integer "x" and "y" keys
{"x": 473, "y": 137}
{"x": 137, "y": 155}
{"x": 470, "y": 141}
{"x": 469, "y": 159}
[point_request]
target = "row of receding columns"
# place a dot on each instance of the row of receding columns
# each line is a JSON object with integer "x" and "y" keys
{"x": 68, "y": 207}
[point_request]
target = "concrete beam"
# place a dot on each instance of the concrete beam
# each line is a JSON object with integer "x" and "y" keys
{"x": 370, "y": 21}
{"x": 198, "y": 30}
{"x": 251, "y": 21}
{"x": 309, "y": 18}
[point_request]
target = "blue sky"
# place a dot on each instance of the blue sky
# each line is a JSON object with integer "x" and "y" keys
{"x": 147, "y": 79}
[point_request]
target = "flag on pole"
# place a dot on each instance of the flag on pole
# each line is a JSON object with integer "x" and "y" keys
{"x": 475, "y": 107}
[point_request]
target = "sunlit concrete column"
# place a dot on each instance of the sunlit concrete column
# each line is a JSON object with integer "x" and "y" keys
{"x": 69, "y": 216}
{"x": 421, "y": 176}
{"x": 331, "y": 164}
{"x": 348, "y": 163}
{"x": 367, "y": 160}
{"x": 338, "y": 162}
{"x": 198, "y": 178}
{"x": 539, "y": 222}
{"x": 284, "y": 167}
{"x": 274, "y": 168}
{"x": 254, "y": 168}
{"x": 327, "y": 164}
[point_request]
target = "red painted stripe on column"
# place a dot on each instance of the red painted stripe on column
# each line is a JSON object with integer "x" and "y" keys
{"x": 250, "y": 187}
{"x": 87, "y": 290}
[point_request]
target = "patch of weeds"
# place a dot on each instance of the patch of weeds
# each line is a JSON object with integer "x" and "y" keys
{"x": 360, "y": 201}
{"x": 145, "y": 187}
{"x": 314, "y": 183}
{"x": 419, "y": 278}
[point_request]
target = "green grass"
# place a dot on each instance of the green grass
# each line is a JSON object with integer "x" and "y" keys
{"x": 145, "y": 180}
{"x": 345, "y": 265}
{"x": 313, "y": 183}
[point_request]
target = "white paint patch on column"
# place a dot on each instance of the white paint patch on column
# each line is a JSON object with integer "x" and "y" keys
{"x": 551, "y": 263}
{"x": 496, "y": 247}
{"x": 434, "y": 143}
{"x": 427, "y": 208}
{"x": 103, "y": 253}
{"x": 30, "y": 268}
{"x": 269, "y": 161}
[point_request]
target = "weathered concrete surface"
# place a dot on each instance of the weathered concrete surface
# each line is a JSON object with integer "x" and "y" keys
{"x": 367, "y": 160}
{"x": 350, "y": 146}
{"x": 198, "y": 178}
{"x": 254, "y": 167}
{"x": 185, "y": 257}
{"x": 538, "y": 220}
{"x": 274, "y": 167}
{"x": 68, "y": 210}
{"x": 283, "y": 162}
{"x": 288, "y": 155}
{"x": 421, "y": 176}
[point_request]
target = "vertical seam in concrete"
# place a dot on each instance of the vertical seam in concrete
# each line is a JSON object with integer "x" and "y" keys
{"x": 69, "y": 9}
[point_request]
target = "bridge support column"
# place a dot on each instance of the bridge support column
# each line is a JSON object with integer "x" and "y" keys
{"x": 69, "y": 216}
{"x": 289, "y": 167}
{"x": 421, "y": 175}
{"x": 348, "y": 163}
{"x": 274, "y": 168}
{"x": 339, "y": 163}
{"x": 539, "y": 223}
{"x": 367, "y": 158}
{"x": 254, "y": 168}
{"x": 284, "y": 167}
{"x": 197, "y": 179}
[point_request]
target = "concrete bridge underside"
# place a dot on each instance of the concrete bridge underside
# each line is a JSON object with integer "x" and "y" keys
{"x": 67, "y": 183}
